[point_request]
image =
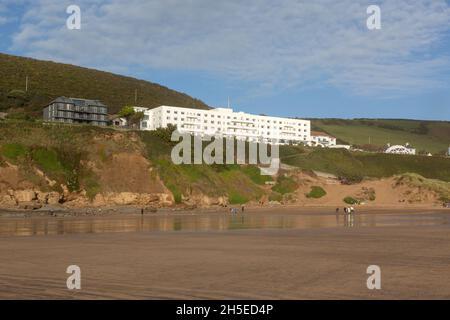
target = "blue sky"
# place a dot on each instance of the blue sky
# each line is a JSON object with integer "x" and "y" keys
{"x": 289, "y": 57}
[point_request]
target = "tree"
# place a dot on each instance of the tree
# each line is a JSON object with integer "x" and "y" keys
{"x": 126, "y": 112}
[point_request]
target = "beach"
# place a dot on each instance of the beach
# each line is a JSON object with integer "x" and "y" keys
{"x": 310, "y": 257}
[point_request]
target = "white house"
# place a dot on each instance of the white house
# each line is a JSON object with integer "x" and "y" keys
{"x": 399, "y": 149}
{"x": 322, "y": 139}
{"x": 227, "y": 123}
{"x": 117, "y": 121}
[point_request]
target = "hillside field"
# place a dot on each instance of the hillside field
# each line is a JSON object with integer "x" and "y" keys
{"x": 48, "y": 80}
{"x": 425, "y": 136}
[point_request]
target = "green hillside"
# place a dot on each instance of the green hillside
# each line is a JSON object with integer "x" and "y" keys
{"x": 429, "y": 136}
{"x": 354, "y": 166}
{"x": 48, "y": 80}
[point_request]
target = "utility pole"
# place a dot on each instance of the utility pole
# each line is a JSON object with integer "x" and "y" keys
{"x": 26, "y": 84}
{"x": 135, "y": 96}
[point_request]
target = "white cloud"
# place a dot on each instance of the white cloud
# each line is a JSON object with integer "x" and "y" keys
{"x": 287, "y": 43}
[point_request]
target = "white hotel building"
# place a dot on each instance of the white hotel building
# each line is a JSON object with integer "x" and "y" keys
{"x": 227, "y": 123}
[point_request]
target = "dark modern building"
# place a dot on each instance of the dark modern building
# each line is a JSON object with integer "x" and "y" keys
{"x": 74, "y": 110}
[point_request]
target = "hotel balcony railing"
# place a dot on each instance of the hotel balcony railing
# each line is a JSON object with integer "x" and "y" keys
{"x": 81, "y": 110}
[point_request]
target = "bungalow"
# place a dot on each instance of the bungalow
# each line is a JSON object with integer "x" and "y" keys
{"x": 322, "y": 139}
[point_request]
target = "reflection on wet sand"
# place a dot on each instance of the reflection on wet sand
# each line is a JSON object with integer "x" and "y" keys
{"x": 208, "y": 222}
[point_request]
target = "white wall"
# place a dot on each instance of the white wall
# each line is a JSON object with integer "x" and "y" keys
{"x": 226, "y": 122}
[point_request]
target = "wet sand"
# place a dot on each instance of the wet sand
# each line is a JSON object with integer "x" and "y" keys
{"x": 291, "y": 263}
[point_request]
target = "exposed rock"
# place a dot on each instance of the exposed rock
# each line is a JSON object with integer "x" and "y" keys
{"x": 7, "y": 201}
{"x": 25, "y": 196}
{"x": 30, "y": 205}
{"x": 129, "y": 198}
{"x": 53, "y": 198}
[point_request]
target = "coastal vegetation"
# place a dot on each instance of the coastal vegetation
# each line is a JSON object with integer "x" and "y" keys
{"x": 316, "y": 192}
{"x": 374, "y": 134}
{"x": 355, "y": 166}
{"x": 93, "y": 160}
{"x": 350, "y": 200}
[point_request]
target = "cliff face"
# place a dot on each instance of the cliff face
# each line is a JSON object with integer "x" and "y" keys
{"x": 81, "y": 166}
{"x": 87, "y": 166}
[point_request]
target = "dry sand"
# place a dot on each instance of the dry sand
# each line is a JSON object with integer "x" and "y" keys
{"x": 314, "y": 263}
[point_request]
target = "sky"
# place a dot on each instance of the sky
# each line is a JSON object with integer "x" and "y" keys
{"x": 296, "y": 58}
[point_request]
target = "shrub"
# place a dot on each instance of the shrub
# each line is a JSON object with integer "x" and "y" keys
{"x": 316, "y": 192}
{"x": 254, "y": 173}
{"x": 285, "y": 185}
{"x": 350, "y": 200}
{"x": 126, "y": 112}
{"x": 177, "y": 195}
{"x": 13, "y": 150}
{"x": 92, "y": 187}
{"x": 236, "y": 198}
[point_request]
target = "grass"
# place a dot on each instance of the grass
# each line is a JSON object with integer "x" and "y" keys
{"x": 350, "y": 200}
{"x": 316, "y": 192}
{"x": 237, "y": 198}
{"x": 254, "y": 173}
{"x": 354, "y": 166}
{"x": 239, "y": 183}
{"x": 13, "y": 151}
{"x": 439, "y": 187}
{"x": 285, "y": 185}
{"x": 429, "y": 136}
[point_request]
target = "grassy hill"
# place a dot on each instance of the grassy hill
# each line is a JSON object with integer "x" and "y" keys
{"x": 429, "y": 136}
{"x": 355, "y": 166}
{"x": 48, "y": 80}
